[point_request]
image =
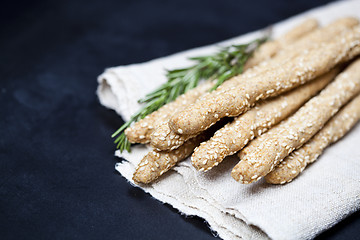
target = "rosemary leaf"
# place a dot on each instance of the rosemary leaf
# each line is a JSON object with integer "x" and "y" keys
{"x": 224, "y": 64}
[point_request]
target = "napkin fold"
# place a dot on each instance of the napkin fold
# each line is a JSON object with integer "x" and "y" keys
{"x": 326, "y": 192}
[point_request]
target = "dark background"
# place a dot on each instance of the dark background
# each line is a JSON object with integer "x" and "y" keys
{"x": 57, "y": 177}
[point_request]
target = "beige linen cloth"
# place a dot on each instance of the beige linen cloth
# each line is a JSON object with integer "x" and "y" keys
{"x": 326, "y": 192}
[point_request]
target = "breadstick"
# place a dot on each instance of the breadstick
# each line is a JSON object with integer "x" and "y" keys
{"x": 307, "y": 26}
{"x": 163, "y": 138}
{"x": 335, "y": 129}
{"x": 290, "y": 51}
{"x": 296, "y": 47}
{"x": 238, "y": 99}
{"x": 140, "y": 132}
{"x": 271, "y": 48}
{"x": 156, "y": 163}
{"x": 266, "y": 151}
{"x": 290, "y": 47}
{"x": 235, "y": 135}
{"x": 324, "y": 34}
{"x": 320, "y": 35}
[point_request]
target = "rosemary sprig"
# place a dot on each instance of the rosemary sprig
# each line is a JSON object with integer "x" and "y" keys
{"x": 224, "y": 64}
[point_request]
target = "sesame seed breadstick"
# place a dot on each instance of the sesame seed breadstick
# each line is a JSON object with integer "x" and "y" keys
{"x": 236, "y": 100}
{"x": 140, "y": 132}
{"x": 325, "y": 33}
{"x": 310, "y": 39}
{"x": 293, "y": 49}
{"x": 156, "y": 163}
{"x": 235, "y": 135}
{"x": 163, "y": 138}
{"x": 271, "y": 48}
{"x": 307, "y": 26}
{"x": 334, "y": 129}
{"x": 266, "y": 151}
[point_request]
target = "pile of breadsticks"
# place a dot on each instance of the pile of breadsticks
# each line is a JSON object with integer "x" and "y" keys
{"x": 298, "y": 94}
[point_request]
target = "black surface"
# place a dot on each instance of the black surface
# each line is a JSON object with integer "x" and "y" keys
{"x": 57, "y": 177}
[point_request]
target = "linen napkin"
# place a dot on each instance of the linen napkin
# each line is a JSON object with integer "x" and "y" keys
{"x": 326, "y": 192}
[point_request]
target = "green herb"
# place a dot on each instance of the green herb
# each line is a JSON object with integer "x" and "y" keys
{"x": 222, "y": 65}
